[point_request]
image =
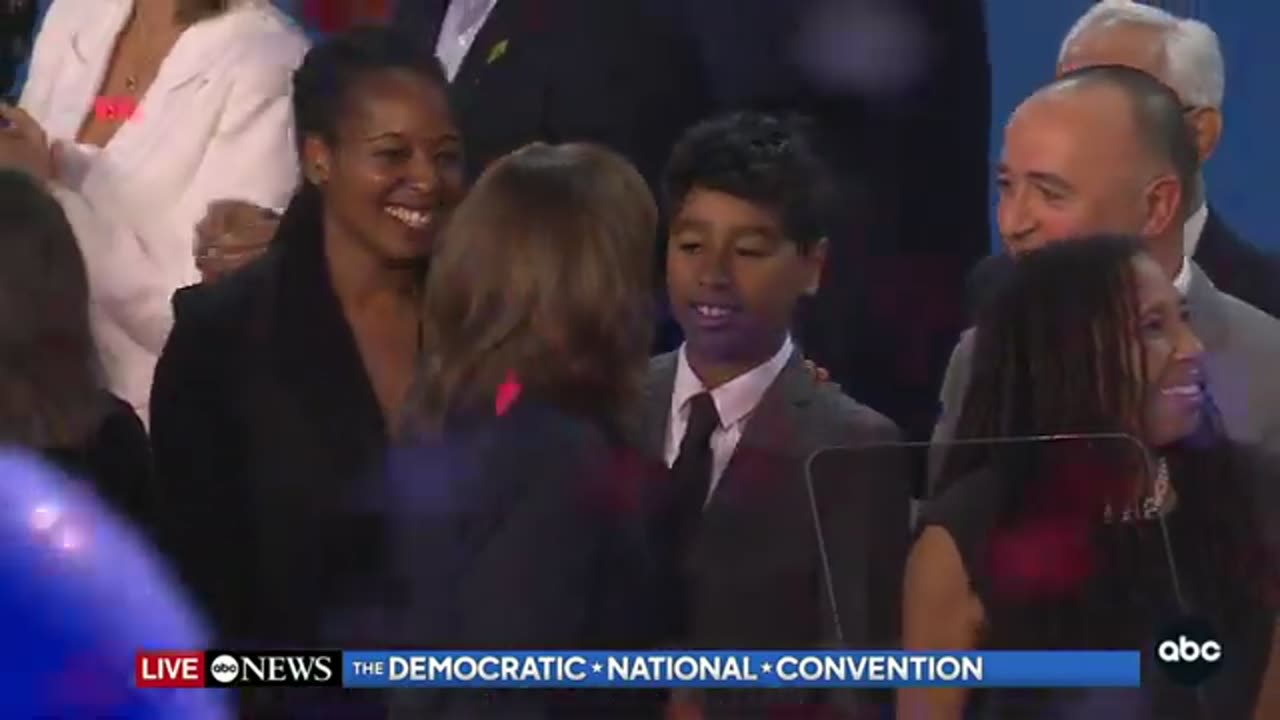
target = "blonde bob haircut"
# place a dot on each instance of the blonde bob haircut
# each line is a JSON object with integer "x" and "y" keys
{"x": 543, "y": 273}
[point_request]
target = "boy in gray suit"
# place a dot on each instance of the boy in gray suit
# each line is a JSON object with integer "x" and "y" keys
{"x": 735, "y": 413}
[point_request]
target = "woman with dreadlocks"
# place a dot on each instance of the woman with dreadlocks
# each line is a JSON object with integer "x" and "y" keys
{"x": 1090, "y": 545}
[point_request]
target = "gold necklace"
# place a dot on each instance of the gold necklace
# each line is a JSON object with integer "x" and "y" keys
{"x": 131, "y": 79}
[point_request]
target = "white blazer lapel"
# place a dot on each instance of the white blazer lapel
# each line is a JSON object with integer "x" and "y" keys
{"x": 79, "y": 46}
{"x": 181, "y": 75}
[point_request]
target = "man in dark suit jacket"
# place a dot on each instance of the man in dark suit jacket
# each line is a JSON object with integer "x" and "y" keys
{"x": 736, "y": 415}
{"x": 620, "y": 73}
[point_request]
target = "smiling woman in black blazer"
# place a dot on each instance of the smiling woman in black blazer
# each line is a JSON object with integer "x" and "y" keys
{"x": 277, "y": 395}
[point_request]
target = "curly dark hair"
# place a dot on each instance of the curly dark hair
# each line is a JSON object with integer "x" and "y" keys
{"x": 767, "y": 159}
{"x": 1053, "y": 355}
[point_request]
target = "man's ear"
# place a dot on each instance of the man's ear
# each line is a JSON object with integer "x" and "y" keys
{"x": 815, "y": 261}
{"x": 1206, "y": 125}
{"x": 1164, "y": 200}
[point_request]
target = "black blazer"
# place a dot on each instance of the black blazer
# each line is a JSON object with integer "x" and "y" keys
{"x": 1238, "y": 267}
{"x": 620, "y": 73}
{"x": 116, "y": 462}
{"x": 527, "y": 531}
{"x": 271, "y": 443}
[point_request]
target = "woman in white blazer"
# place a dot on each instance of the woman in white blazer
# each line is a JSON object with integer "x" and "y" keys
{"x": 208, "y": 85}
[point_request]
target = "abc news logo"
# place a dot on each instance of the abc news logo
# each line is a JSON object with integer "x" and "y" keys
{"x": 268, "y": 669}
{"x": 1189, "y": 652}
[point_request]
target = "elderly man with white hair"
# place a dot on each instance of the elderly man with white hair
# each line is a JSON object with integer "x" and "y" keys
{"x": 1184, "y": 55}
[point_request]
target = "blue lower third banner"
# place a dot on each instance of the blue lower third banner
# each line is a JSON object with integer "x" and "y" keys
{"x": 739, "y": 669}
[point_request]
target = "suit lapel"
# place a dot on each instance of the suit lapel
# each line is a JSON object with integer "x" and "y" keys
{"x": 91, "y": 43}
{"x": 508, "y": 22}
{"x": 771, "y": 438}
{"x": 318, "y": 359}
{"x": 182, "y": 73}
{"x": 1210, "y": 237}
{"x": 651, "y": 433}
{"x": 1213, "y": 247}
{"x": 1205, "y": 303}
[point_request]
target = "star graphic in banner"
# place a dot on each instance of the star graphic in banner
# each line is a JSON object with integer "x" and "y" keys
{"x": 766, "y": 668}
{"x": 597, "y": 667}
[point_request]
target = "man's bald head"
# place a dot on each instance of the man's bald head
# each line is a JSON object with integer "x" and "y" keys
{"x": 1099, "y": 150}
{"x": 1155, "y": 116}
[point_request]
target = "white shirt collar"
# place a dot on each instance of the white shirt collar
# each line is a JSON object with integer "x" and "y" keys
{"x": 1193, "y": 229}
{"x": 462, "y": 22}
{"x": 1182, "y": 281}
{"x": 737, "y": 398}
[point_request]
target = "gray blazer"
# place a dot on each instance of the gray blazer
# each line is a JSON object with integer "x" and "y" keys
{"x": 1242, "y": 354}
{"x": 754, "y": 569}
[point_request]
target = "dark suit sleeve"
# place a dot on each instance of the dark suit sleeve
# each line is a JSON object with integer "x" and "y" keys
{"x": 191, "y": 440}
{"x": 120, "y": 460}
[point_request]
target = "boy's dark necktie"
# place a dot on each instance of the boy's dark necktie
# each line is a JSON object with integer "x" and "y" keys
{"x": 692, "y": 468}
{"x": 691, "y": 483}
